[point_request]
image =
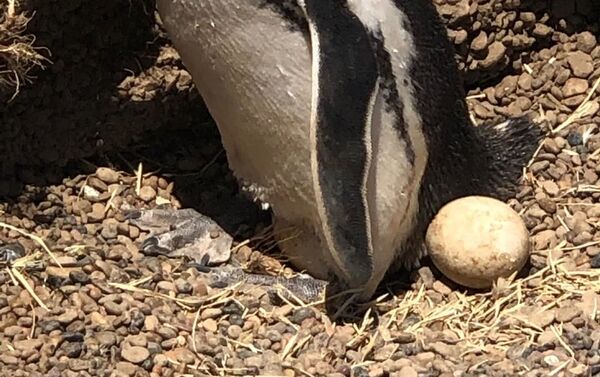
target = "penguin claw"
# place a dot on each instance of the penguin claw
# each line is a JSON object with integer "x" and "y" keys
{"x": 150, "y": 247}
{"x": 133, "y": 214}
{"x": 149, "y": 242}
{"x": 176, "y": 233}
{"x": 202, "y": 266}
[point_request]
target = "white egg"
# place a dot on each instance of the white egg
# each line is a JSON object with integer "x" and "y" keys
{"x": 475, "y": 240}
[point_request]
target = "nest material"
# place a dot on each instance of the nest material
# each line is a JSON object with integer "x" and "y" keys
{"x": 18, "y": 55}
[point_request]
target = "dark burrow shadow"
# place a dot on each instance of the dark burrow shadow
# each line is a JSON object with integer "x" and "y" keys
{"x": 111, "y": 80}
{"x": 115, "y": 94}
{"x": 194, "y": 160}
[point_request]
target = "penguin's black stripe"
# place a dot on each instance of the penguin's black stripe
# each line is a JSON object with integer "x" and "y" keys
{"x": 443, "y": 116}
{"x": 389, "y": 90}
{"x": 347, "y": 79}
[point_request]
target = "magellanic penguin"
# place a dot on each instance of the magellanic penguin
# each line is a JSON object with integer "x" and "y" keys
{"x": 348, "y": 118}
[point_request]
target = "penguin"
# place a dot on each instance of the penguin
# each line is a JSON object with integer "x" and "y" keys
{"x": 348, "y": 119}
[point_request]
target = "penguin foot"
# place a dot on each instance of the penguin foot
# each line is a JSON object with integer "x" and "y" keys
{"x": 186, "y": 232}
{"x": 303, "y": 287}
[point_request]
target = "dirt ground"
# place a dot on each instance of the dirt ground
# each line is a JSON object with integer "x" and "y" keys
{"x": 116, "y": 95}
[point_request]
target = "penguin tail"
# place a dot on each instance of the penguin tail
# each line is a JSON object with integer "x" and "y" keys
{"x": 509, "y": 146}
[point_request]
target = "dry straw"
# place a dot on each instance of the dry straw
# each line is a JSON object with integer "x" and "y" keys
{"x": 18, "y": 53}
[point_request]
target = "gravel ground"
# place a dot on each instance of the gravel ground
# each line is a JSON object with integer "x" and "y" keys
{"x": 83, "y": 301}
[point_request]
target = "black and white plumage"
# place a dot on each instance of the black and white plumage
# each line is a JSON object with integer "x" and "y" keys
{"x": 348, "y": 118}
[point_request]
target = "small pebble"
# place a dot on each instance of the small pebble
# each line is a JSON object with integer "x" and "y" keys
{"x": 574, "y": 138}
{"x": 147, "y": 193}
{"x": 135, "y": 354}
{"x": 107, "y": 175}
{"x": 595, "y": 261}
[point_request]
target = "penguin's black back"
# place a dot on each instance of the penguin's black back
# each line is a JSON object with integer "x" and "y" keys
{"x": 463, "y": 159}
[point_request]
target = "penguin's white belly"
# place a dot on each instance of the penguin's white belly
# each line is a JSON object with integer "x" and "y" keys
{"x": 255, "y": 79}
{"x": 256, "y": 84}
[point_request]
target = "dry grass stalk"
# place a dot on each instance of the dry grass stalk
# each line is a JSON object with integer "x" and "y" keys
{"x": 18, "y": 55}
{"x": 138, "y": 181}
{"x": 110, "y": 203}
{"x": 35, "y": 238}
{"x": 583, "y": 110}
{"x": 14, "y": 272}
{"x": 494, "y": 319}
